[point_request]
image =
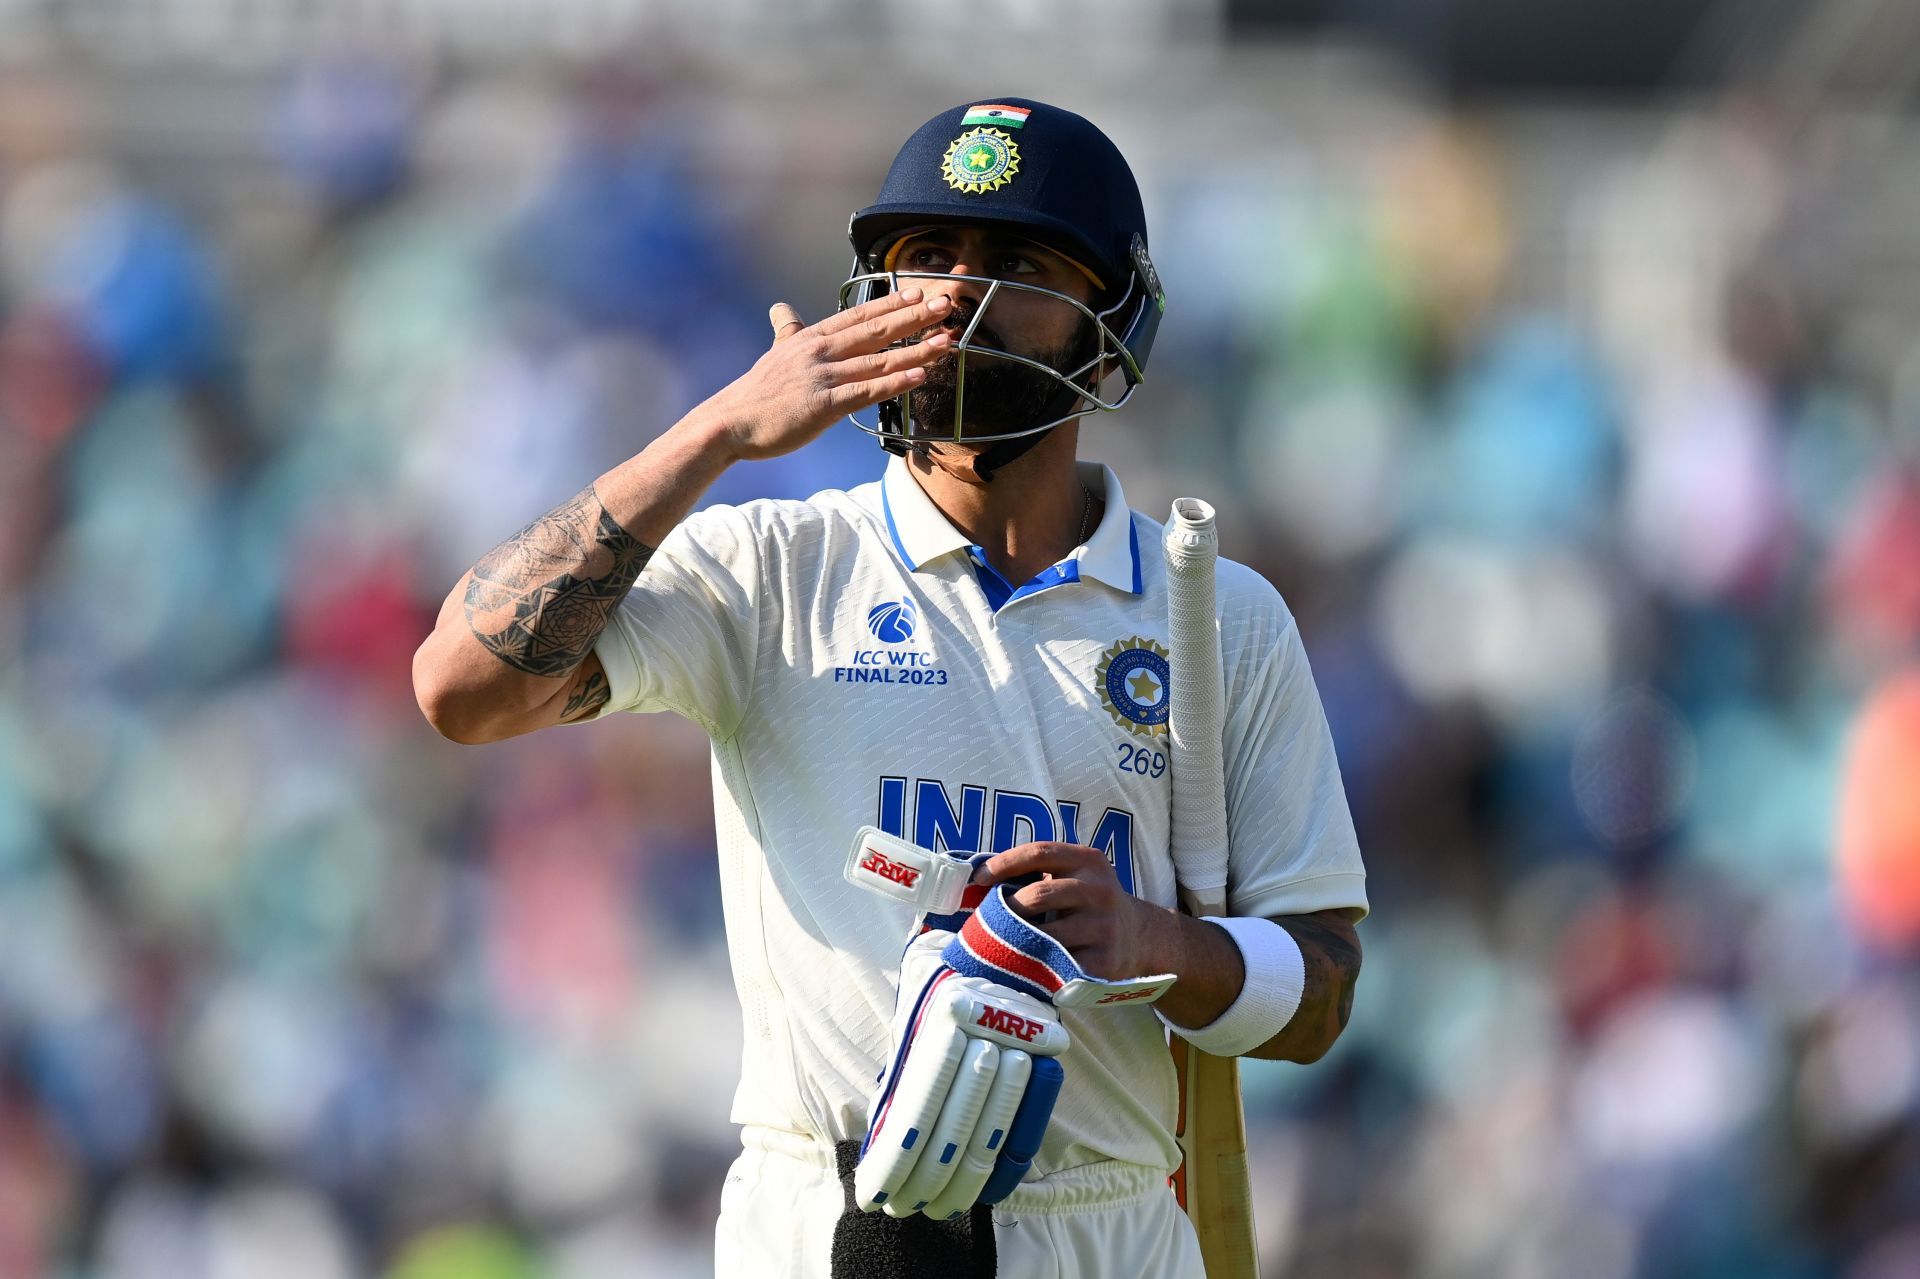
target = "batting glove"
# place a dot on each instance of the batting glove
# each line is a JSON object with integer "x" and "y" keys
{"x": 973, "y": 1077}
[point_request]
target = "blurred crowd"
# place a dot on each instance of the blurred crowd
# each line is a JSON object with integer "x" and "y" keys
{"x": 1584, "y": 444}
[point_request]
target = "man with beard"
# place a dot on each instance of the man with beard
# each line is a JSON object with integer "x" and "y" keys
{"x": 961, "y": 669}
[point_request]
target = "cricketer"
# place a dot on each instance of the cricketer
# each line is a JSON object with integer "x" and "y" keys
{"x": 938, "y": 705}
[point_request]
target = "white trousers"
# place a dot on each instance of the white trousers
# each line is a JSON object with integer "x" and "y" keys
{"x": 782, "y": 1197}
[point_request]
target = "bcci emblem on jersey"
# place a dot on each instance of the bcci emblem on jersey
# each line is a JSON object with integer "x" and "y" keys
{"x": 1134, "y": 684}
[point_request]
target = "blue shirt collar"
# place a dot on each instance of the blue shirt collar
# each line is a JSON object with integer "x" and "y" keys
{"x": 921, "y": 534}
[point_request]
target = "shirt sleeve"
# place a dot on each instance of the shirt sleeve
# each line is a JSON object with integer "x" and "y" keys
{"x": 1293, "y": 849}
{"x": 685, "y": 638}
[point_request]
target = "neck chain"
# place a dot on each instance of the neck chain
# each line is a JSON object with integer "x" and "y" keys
{"x": 1086, "y": 511}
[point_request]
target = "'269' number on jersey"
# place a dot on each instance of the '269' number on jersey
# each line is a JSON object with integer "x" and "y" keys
{"x": 1139, "y": 759}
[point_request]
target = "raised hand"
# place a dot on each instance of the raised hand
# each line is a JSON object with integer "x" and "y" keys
{"x": 813, "y": 375}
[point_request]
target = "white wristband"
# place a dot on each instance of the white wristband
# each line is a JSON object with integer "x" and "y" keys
{"x": 1276, "y": 976}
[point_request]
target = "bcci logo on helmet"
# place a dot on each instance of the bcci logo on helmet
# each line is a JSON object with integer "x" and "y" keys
{"x": 891, "y": 622}
{"x": 980, "y": 160}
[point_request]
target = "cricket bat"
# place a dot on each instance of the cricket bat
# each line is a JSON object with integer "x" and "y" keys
{"x": 1211, "y": 1183}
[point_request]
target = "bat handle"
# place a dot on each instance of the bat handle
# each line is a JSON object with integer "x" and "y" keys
{"x": 1192, "y": 541}
{"x": 1202, "y": 902}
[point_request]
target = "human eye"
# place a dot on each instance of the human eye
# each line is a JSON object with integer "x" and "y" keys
{"x": 1016, "y": 264}
{"x": 926, "y": 257}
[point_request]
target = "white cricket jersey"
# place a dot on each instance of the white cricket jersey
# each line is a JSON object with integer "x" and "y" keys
{"x": 855, "y": 661}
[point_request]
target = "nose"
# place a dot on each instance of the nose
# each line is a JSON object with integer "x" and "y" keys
{"x": 961, "y": 282}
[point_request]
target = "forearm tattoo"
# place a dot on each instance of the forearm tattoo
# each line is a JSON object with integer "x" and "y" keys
{"x": 1332, "y": 956}
{"x": 540, "y": 599}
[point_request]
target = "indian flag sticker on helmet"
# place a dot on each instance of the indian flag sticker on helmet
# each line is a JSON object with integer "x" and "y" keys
{"x": 980, "y": 160}
{"x": 995, "y": 113}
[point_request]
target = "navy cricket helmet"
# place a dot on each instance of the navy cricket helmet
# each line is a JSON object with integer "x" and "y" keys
{"x": 1053, "y": 177}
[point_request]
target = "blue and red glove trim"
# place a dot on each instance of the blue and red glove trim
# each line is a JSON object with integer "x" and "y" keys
{"x": 998, "y": 945}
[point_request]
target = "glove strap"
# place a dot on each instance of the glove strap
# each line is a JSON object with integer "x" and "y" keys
{"x": 938, "y": 885}
{"x": 999, "y": 946}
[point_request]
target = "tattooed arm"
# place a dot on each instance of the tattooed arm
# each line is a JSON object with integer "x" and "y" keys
{"x": 540, "y": 599}
{"x": 1331, "y": 947}
{"x": 1211, "y": 974}
{"x": 512, "y": 649}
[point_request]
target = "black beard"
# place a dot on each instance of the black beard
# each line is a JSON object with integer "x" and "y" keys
{"x": 1002, "y": 395}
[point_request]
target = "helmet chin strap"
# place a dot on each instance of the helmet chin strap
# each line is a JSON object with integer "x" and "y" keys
{"x": 978, "y": 468}
{"x": 1001, "y": 452}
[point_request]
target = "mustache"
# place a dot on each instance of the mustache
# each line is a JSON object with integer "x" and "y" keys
{"x": 956, "y": 323}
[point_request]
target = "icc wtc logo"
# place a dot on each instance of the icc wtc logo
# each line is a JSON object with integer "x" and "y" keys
{"x": 891, "y": 622}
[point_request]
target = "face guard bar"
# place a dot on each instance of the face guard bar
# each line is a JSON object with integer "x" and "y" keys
{"x": 896, "y": 427}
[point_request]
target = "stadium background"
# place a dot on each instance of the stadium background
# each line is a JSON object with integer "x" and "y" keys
{"x": 1559, "y": 361}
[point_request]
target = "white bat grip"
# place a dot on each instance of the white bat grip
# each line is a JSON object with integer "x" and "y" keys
{"x": 1197, "y": 710}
